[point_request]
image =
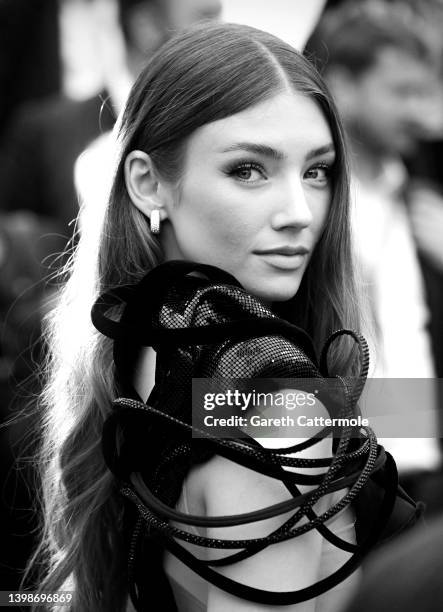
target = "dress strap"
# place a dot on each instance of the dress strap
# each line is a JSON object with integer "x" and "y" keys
{"x": 183, "y": 505}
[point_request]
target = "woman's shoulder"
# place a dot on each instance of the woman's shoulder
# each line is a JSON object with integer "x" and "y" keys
{"x": 247, "y": 489}
{"x": 228, "y": 488}
{"x": 227, "y": 484}
{"x": 221, "y": 487}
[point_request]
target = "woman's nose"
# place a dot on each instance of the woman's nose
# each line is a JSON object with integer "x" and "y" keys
{"x": 293, "y": 208}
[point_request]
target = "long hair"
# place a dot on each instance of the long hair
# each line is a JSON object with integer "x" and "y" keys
{"x": 204, "y": 74}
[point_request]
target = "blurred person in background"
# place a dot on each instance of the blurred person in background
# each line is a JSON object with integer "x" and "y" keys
{"x": 46, "y": 137}
{"x": 40, "y": 146}
{"x": 292, "y": 21}
{"x": 29, "y": 58}
{"x": 381, "y": 67}
{"x": 425, "y": 197}
{"x": 425, "y": 203}
{"x": 145, "y": 26}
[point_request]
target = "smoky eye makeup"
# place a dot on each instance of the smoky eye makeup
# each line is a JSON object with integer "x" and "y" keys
{"x": 320, "y": 172}
{"x": 326, "y": 166}
{"x": 246, "y": 170}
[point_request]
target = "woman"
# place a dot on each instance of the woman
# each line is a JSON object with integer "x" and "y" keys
{"x": 232, "y": 155}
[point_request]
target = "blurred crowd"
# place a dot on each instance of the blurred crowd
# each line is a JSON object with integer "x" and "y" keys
{"x": 66, "y": 67}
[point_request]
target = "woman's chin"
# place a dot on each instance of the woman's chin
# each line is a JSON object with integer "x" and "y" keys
{"x": 275, "y": 294}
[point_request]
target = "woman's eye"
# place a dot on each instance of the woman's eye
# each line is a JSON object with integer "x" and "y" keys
{"x": 320, "y": 173}
{"x": 248, "y": 172}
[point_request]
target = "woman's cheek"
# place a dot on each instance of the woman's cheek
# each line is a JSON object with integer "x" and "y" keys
{"x": 320, "y": 209}
{"x": 236, "y": 237}
{"x": 221, "y": 213}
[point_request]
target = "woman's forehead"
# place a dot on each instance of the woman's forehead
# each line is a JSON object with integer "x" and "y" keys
{"x": 289, "y": 123}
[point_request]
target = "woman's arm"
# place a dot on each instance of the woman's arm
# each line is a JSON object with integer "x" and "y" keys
{"x": 229, "y": 488}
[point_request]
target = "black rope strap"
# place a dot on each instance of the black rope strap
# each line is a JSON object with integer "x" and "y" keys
{"x": 151, "y": 509}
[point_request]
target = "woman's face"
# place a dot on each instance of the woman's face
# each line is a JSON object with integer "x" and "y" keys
{"x": 254, "y": 195}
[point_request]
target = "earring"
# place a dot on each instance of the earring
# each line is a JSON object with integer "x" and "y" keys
{"x": 155, "y": 221}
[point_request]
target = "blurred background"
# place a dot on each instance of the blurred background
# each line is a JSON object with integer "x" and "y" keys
{"x": 66, "y": 67}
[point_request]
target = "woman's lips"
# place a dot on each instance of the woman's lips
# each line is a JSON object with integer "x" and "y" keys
{"x": 284, "y": 262}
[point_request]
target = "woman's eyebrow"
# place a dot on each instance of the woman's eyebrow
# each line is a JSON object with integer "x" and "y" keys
{"x": 275, "y": 154}
{"x": 328, "y": 148}
{"x": 259, "y": 149}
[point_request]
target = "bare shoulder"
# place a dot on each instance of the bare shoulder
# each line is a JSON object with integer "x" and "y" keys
{"x": 234, "y": 488}
{"x": 227, "y": 484}
{"x": 223, "y": 487}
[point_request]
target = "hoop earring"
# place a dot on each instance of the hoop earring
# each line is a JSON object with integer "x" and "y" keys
{"x": 155, "y": 221}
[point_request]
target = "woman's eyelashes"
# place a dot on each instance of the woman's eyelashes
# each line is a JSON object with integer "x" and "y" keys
{"x": 319, "y": 174}
{"x": 247, "y": 171}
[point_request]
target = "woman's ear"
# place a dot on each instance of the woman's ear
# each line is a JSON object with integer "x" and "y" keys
{"x": 142, "y": 184}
